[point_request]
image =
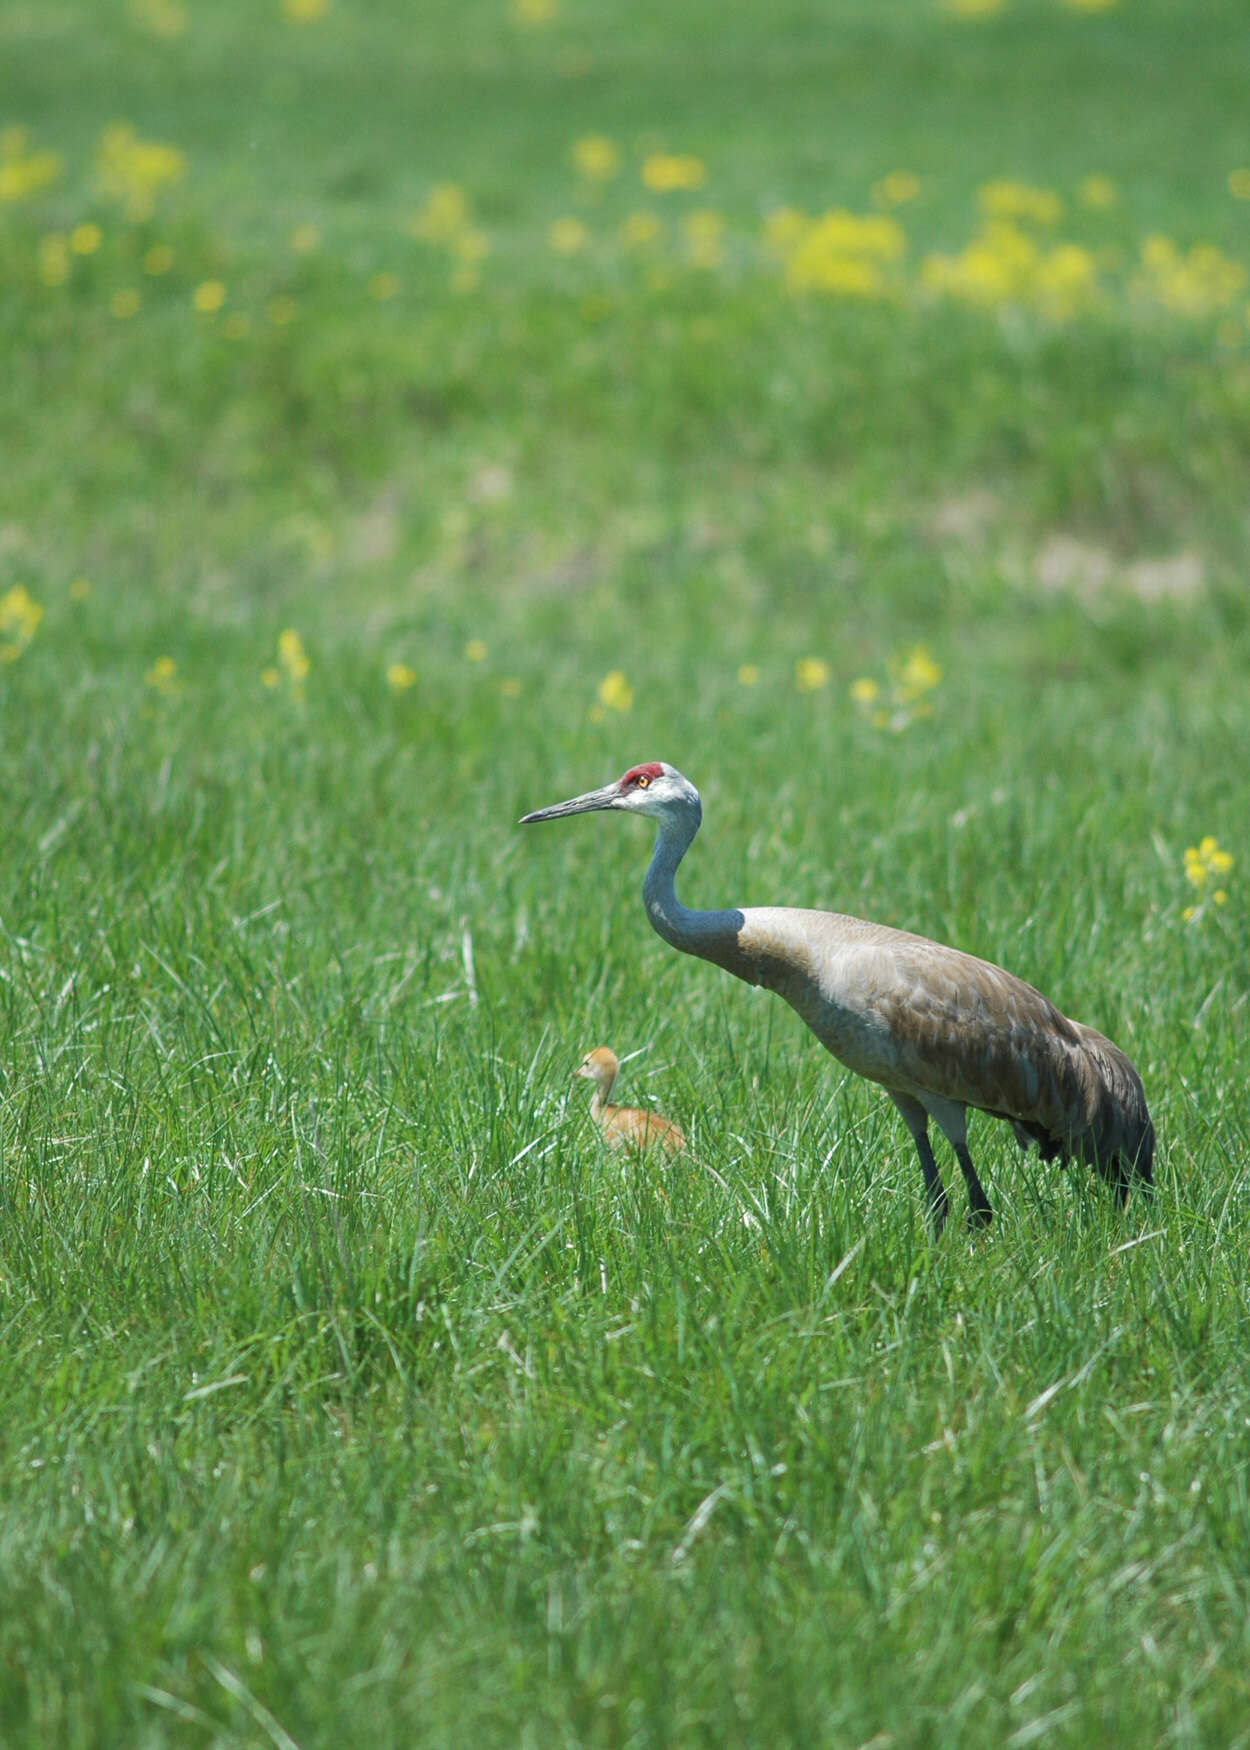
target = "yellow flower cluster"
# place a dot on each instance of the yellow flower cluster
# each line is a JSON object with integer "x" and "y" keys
{"x": 533, "y": 14}
{"x": 614, "y": 692}
{"x": 19, "y": 621}
{"x": 839, "y": 252}
{"x": 568, "y": 236}
{"x": 1192, "y": 282}
{"x": 911, "y": 675}
{"x": 1205, "y": 863}
{"x": 640, "y": 229}
{"x": 896, "y": 188}
{"x": 24, "y": 172}
{"x": 1004, "y": 265}
{"x": 208, "y": 297}
{"x": 1005, "y": 199}
{"x": 162, "y": 677}
{"x": 134, "y": 171}
{"x": 292, "y": 665}
{"x": 666, "y": 172}
{"x": 596, "y": 158}
{"x": 446, "y": 221}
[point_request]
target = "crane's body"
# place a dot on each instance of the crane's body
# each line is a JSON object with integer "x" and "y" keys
{"x": 624, "y": 1126}
{"x": 939, "y": 1029}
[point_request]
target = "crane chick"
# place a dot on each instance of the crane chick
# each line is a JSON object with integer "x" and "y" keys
{"x": 624, "y": 1126}
{"x": 938, "y": 1029}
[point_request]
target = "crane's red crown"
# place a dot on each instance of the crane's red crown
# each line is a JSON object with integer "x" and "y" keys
{"x": 636, "y": 775}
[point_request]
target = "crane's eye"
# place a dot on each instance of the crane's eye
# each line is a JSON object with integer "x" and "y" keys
{"x": 643, "y": 782}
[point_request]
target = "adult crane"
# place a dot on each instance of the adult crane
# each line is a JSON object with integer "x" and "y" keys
{"x": 940, "y": 1030}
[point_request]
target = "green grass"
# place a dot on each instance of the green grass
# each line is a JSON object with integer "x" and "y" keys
{"x": 351, "y": 1393}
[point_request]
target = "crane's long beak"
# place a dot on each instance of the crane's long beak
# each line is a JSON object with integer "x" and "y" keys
{"x": 603, "y": 798}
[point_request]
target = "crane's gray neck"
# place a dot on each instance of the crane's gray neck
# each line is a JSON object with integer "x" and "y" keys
{"x": 713, "y": 935}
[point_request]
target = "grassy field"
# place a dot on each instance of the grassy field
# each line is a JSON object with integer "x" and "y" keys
{"x": 411, "y": 417}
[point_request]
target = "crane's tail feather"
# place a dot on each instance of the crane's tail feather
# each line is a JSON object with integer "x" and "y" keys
{"x": 1106, "y": 1121}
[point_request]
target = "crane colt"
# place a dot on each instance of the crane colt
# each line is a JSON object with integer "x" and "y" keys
{"x": 624, "y": 1126}
{"x": 939, "y": 1029}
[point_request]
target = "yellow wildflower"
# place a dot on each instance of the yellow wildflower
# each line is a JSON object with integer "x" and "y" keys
{"x": 842, "y": 253}
{"x": 19, "y": 621}
{"x": 1066, "y": 279}
{"x": 292, "y": 655}
{"x": 470, "y": 245}
{"x": 1204, "y": 860}
{"x": 567, "y": 236}
{"x": 896, "y": 188}
{"x": 911, "y": 675}
{"x": 533, "y": 13}
{"x": 305, "y": 11}
{"x": 23, "y": 172}
{"x": 1239, "y": 184}
{"x": 596, "y": 157}
{"x": 125, "y": 303}
{"x": 614, "y": 692}
{"x": 269, "y": 677}
{"x": 1004, "y": 199}
{"x": 134, "y": 171}
{"x": 475, "y": 650}
{"x": 304, "y": 239}
{"x": 86, "y": 238}
{"x": 1097, "y": 193}
{"x": 446, "y": 211}
{"x": 914, "y": 673}
{"x": 162, "y": 677}
{"x": 399, "y": 677}
{"x": 664, "y": 172}
{"x": 639, "y": 229}
{"x": 1192, "y": 283}
{"x": 510, "y": 687}
{"x": 748, "y": 675}
{"x": 1003, "y": 264}
{"x": 209, "y": 297}
{"x": 158, "y": 259}
{"x": 811, "y": 673}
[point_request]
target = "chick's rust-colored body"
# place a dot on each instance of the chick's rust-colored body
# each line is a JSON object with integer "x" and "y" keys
{"x": 624, "y": 1126}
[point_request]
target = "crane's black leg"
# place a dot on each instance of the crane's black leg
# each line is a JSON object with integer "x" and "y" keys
{"x": 917, "y": 1121}
{"x": 953, "y": 1120}
{"x": 979, "y": 1212}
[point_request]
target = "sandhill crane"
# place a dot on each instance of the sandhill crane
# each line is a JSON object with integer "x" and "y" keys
{"x": 624, "y": 1126}
{"x": 939, "y": 1029}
